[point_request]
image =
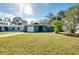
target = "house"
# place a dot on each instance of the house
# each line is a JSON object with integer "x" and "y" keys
{"x": 38, "y": 28}
{"x": 26, "y": 28}
{"x": 18, "y": 25}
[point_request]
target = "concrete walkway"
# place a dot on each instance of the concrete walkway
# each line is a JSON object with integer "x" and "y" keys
{"x": 12, "y": 34}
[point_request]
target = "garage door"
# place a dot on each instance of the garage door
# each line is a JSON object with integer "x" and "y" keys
{"x": 30, "y": 29}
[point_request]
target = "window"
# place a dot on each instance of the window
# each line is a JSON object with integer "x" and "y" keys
{"x": 18, "y": 28}
{"x": 13, "y": 28}
{"x": 6, "y": 28}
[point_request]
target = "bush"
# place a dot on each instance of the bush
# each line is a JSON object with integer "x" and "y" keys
{"x": 57, "y": 26}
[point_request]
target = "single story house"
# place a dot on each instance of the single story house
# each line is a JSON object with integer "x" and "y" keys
{"x": 17, "y": 24}
{"x": 26, "y": 28}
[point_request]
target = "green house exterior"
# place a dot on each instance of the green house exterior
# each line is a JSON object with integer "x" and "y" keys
{"x": 40, "y": 28}
{"x": 26, "y": 28}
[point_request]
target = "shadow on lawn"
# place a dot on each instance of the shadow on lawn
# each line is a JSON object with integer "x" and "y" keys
{"x": 70, "y": 34}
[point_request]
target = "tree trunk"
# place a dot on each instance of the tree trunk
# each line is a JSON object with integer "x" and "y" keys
{"x": 72, "y": 30}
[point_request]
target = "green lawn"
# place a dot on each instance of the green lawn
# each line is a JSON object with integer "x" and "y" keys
{"x": 1, "y": 33}
{"x": 39, "y": 43}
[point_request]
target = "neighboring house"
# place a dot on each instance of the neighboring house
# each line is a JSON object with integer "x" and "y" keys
{"x": 77, "y": 29}
{"x": 19, "y": 25}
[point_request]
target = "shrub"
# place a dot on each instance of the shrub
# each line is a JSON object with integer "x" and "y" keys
{"x": 57, "y": 26}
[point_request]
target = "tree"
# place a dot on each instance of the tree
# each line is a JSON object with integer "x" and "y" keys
{"x": 17, "y": 20}
{"x": 57, "y": 26}
{"x": 24, "y": 22}
{"x": 61, "y": 14}
{"x": 7, "y": 21}
{"x": 44, "y": 21}
{"x": 49, "y": 16}
{"x": 72, "y": 18}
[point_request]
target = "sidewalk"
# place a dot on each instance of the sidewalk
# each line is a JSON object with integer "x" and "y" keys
{"x": 12, "y": 34}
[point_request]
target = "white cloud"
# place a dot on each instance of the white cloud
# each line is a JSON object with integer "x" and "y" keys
{"x": 30, "y": 19}
{"x": 26, "y": 12}
{"x": 10, "y": 8}
{"x": 18, "y": 13}
{"x": 3, "y": 15}
{"x": 9, "y": 15}
{"x": 26, "y": 9}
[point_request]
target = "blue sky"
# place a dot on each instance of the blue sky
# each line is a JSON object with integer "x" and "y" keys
{"x": 30, "y": 12}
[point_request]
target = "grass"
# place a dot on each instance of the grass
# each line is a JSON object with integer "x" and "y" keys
{"x": 1, "y": 33}
{"x": 39, "y": 43}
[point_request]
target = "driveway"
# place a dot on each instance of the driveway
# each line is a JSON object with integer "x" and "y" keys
{"x": 11, "y": 34}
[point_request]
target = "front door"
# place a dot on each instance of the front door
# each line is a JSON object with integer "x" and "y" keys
{"x": 40, "y": 29}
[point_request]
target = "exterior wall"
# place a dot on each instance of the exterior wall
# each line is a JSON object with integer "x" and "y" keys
{"x": 27, "y": 28}
{"x": 30, "y": 29}
{"x": 0, "y": 28}
{"x": 13, "y": 29}
{"x": 3, "y": 29}
{"x": 50, "y": 29}
{"x": 44, "y": 29}
{"x": 36, "y": 28}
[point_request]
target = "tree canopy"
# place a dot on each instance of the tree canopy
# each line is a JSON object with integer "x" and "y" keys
{"x": 72, "y": 18}
{"x": 57, "y": 25}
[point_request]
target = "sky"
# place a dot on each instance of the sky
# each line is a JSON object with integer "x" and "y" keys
{"x": 31, "y": 12}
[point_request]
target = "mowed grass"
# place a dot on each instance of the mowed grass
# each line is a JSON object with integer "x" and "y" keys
{"x": 2, "y": 33}
{"x": 39, "y": 44}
